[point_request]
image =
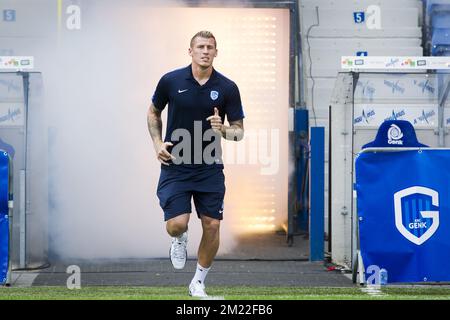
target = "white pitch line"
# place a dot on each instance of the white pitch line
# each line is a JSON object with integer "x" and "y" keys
{"x": 373, "y": 290}
{"x": 213, "y": 298}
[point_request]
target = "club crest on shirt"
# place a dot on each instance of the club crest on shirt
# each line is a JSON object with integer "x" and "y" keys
{"x": 214, "y": 95}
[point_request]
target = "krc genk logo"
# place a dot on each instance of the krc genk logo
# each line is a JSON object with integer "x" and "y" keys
{"x": 395, "y": 135}
{"x": 417, "y": 213}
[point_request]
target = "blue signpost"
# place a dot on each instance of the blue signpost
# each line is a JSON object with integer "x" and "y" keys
{"x": 403, "y": 200}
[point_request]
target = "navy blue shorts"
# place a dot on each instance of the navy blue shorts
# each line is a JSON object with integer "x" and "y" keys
{"x": 178, "y": 185}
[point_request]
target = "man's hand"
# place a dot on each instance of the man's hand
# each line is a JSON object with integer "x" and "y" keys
{"x": 216, "y": 122}
{"x": 162, "y": 153}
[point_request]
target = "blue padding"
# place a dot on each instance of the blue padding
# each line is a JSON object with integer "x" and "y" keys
{"x": 441, "y": 37}
{"x": 440, "y": 16}
{"x": 436, "y": 6}
{"x": 395, "y": 133}
{"x": 4, "y": 247}
{"x": 440, "y": 51}
{"x": 440, "y": 41}
{"x": 440, "y": 20}
{"x": 4, "y": 219}
{"x": 403, "y": 207}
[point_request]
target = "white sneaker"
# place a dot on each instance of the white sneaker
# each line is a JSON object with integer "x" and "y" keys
{"x": 197, "y": 289}
{"x": 178, "y": 251}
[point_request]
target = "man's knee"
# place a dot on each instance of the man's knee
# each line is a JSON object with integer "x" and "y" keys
{"x": 175, "y": 227}
{"x": 210, "y": 225}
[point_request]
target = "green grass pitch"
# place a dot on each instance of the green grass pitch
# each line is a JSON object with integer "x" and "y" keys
{"x": 226, "y": 293}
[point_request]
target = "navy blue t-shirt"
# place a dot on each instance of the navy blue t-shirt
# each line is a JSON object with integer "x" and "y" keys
{"x": 190, "y": 104}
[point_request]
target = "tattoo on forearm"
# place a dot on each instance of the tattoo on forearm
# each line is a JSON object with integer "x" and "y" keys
{"x": 154, "y": 123}
{"x": 235, "y": 131}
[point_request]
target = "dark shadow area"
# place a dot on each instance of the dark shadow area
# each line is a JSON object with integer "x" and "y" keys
{"x": 269, "y": 246}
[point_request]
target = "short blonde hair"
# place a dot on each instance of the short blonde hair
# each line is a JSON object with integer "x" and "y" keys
{"x": 203, "y": 34}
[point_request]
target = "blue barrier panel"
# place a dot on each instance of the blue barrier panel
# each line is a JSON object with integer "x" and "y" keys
{"x": 316, "y": 225}
{"x": 4, "y": 218}
{"x": 403, "y": 201}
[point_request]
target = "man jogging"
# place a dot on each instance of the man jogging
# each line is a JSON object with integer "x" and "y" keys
{"x": 199, "y": 98}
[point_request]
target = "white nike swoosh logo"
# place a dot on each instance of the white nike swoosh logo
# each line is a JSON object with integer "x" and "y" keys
{"x": 181, "y": 91}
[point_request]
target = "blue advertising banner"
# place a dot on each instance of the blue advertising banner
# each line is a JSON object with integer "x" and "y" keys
{"x": 4, "y": 218}
{"x": 403, "y": 201}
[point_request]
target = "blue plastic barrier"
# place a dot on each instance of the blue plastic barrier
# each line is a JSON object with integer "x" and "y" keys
{"x": 4, "y": 216}
{"x": 403, "y": 201}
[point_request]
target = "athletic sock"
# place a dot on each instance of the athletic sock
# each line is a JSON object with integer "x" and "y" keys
{"x": 200, "y": 274}
{"x": 182, "y": 237}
